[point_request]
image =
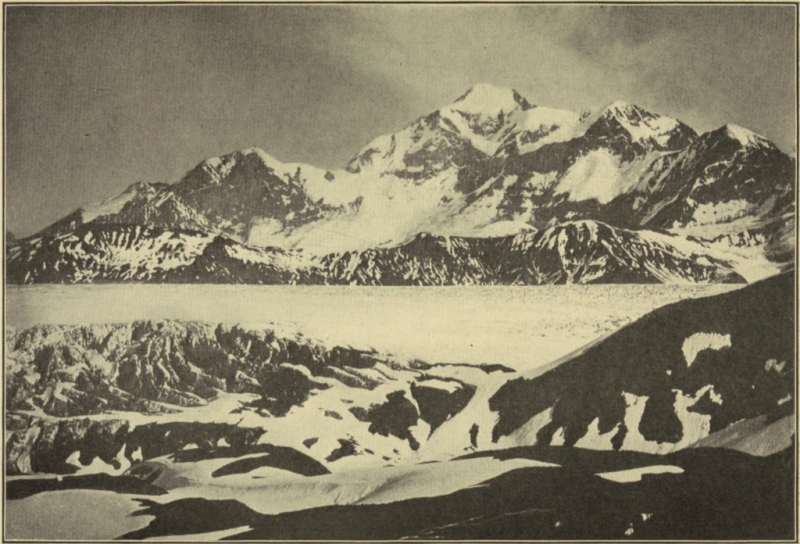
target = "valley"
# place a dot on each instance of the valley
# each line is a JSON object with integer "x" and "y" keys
{"x": 501, "y": 321}
{"x": 263, "y": 429}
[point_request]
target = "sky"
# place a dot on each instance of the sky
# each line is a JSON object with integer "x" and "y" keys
{"x": 100, "y": 97}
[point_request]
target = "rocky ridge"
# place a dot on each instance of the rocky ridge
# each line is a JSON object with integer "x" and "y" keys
{"x": 574, "y": 252}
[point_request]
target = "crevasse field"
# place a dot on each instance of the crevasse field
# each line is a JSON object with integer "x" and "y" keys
{"x": 520, "y": 327}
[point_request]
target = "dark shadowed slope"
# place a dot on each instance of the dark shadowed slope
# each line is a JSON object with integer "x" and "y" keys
{"x": 668, "y": 379}
{"x": 741, "y": 497}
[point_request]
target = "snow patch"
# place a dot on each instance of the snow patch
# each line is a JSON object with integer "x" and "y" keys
{"x": 602, "y": 176}
{"x": 558, "y": 438}
{"x": 635, "y": 474}
{"x": 694, "y": 426}
{"x": 213, "y": 536}
{"x": 98, "y": 466}
{"x": 722, "y": 212}
{"x": 110, "y": 206}
{"x": 450, "y": 387}
{"x": 773, "y": 364}
{"x": 700, "y": 341}
{"x": 526, "y": 434}
{"x": 593, "y": 440}
{"x": 487, "y": 99}
{"x": 745, "y": 136}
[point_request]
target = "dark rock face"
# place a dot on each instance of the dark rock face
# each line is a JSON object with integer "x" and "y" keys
{"x": 713, "y": 170}
{"x": 221, "y": 196}
{"x": 718, "y": 168}
{"x": 156, "y": 440}
{"x": 722, "y": 350}
{"x": 44, "y": 447}
{"x": 394, "y": 417}
{"x": 108, "y": 439}
{"x": 273, "y": 456}
{"x": 347, "y": 448}
{"x": 286, "y": 388}
{"x": 241, "y": 185}
{"x": 437, "y": 405}
{"x": 20, "y": 489}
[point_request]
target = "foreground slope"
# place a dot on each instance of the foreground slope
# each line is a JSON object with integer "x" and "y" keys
{"x": 667, "y": 380}
{"x": 540, "y": 493}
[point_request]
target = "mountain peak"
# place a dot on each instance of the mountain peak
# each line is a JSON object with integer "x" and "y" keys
{"x": 487, "y": 98}
{"x": 641, "y": 124}
{"x": 622, "y": 109}
{"x": 263, "y": 155}
{"x": 745, "y": 136}
{"x": 222, "y": 165}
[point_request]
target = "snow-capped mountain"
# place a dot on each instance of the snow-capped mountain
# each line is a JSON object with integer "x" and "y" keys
{"x": 490, "y": 164}
{"x": 241, "y": 195}
{"x": 575, "y": 253}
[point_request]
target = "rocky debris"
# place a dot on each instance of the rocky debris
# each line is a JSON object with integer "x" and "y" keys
{"x": 160, "y": 366}
{"x": 346, "y": 448}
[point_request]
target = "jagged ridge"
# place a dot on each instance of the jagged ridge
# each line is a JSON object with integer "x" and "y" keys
{"x": 580, "y": 252}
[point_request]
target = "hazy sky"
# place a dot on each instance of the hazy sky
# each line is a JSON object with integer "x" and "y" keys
{"x": 100, "y": 97}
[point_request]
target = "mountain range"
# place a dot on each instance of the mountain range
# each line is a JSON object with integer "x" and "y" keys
{"x": 488, "y": 190}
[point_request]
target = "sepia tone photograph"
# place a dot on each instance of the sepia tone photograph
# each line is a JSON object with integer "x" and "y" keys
{"x": 400, "y": 271}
